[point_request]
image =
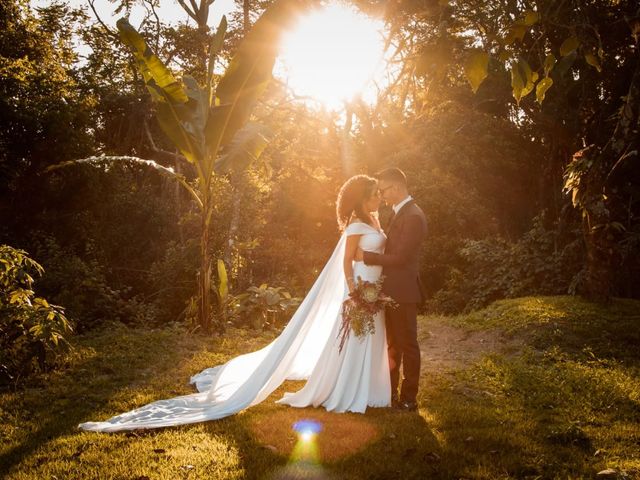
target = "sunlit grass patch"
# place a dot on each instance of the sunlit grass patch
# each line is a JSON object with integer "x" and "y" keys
{"x": 570, "y": 323}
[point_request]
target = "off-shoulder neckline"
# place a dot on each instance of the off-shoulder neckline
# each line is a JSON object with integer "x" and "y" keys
{"x": 364, "y": 223}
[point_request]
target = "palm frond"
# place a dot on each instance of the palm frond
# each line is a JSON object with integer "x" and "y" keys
{"x": 107, "y": 159}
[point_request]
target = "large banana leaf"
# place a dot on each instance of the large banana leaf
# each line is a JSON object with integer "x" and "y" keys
{"x": 199, "y": 123}
{"x": 248, "y": 74}
{"x": 214, "y": 48}
{"x": 180, "y": 116}
{"x": 245, "y": 148}
{"x": 158, "y": 78}
{"x": 106, "y": 159}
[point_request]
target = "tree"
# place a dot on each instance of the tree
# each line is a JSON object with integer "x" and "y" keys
{"x": 557, "y": 70}
{"x": 207, "y": 124}
{"x": 44, "y": 115}
{"x": 596, "y": 177}
{"x": 551, "y": 46}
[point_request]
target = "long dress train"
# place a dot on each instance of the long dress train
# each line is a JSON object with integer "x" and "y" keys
{"x": 307, "y": 349}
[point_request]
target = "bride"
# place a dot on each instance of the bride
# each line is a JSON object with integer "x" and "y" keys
{"x": 344, "y": 380}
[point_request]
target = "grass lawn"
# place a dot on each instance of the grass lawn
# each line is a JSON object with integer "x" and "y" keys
{"x": 540, "y": 387}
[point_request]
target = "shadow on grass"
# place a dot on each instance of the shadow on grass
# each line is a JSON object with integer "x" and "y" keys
{"x": 536, "y": 418}
{"x": 406, "y": 448}
{"x": 477, "y": 437}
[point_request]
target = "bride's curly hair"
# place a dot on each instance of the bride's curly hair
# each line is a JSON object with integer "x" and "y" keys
{"x": 352, "y": 195}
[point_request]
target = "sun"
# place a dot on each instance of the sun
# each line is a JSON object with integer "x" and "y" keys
{"x": 332, "y": 55}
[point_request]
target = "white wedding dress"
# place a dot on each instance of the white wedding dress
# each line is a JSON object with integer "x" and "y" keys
{"x": 307, "y": 349}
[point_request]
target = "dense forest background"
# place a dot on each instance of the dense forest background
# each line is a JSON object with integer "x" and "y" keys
{"x": 522, "y": 196}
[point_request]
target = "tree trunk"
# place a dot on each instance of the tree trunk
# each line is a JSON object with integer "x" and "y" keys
{"x": 348, "y": 168}
{"x": 371, "y": 139}
{"x": 246, "y": 7}
{"x": 204, "y": 280}
{"x": 233, "y": 226}
{"x": 600, "y": 244}
{"x": 178, "y": 200}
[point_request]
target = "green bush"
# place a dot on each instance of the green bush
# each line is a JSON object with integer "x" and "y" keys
{"x": 32, "y": 331}
{"x": 81, "y": 285}
{"x": 263, "y": 306}
{"x": 541, "y": 262}
{"x": 172, "y": 280}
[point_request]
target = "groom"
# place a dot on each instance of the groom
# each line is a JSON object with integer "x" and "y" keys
{"x": 406, "y": 230}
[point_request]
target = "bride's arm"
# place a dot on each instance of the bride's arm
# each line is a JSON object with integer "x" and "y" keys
{"x": 349, "y": 256}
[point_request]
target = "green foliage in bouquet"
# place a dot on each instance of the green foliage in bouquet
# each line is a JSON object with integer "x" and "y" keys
{"x": 32, "y": 331}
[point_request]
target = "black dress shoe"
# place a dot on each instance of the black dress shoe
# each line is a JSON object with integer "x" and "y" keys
{"x": 395, "y": 402}
{"x": 408, "y": 406}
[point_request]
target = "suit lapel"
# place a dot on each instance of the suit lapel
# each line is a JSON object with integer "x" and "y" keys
{"x": 395, "y": 217}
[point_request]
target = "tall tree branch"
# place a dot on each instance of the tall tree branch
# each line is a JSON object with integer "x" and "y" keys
{"x": 188, "y": 10}
{"x": 109, "y": 32}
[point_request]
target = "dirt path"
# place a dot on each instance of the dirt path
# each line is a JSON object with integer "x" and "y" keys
{"x": 446, "y": 348}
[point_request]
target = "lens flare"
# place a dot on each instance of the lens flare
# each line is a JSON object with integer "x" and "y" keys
{"x": 310, "y": 427}
{"x": 306, "y": 450}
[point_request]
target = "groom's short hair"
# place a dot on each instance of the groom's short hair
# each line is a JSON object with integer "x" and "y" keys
{"x": 394, "y": 175}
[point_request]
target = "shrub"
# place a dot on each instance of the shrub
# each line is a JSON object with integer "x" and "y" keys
{"x": 32, "y": 331}
{"x": 172, "y": 280}
{"x": 539, "y": 263}
{"x": 263, "y": 306}
{"x": 81, "y": 285}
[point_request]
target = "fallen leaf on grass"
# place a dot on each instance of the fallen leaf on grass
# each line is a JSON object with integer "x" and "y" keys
{"x": 609, "y": 472}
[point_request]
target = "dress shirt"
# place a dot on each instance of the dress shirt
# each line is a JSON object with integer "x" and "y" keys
{"x": 396, "y": 208}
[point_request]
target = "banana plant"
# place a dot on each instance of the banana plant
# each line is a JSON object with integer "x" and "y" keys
{"x": 209, "y": 124}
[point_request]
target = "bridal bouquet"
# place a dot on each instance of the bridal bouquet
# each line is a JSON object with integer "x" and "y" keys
{"x": 359, "y": 310}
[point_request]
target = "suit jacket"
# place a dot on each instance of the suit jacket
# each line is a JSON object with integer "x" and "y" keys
{"x": 401, "y": 258}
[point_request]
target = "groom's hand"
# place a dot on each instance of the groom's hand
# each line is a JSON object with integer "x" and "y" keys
{"x": 359, "y": 255}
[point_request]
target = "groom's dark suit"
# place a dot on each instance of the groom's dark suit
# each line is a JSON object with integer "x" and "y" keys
{"x": 401, "y": 264}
